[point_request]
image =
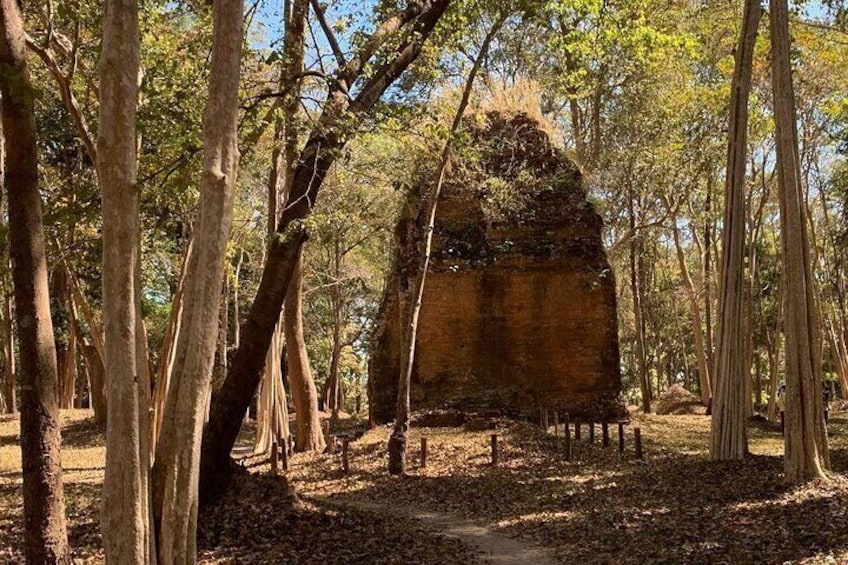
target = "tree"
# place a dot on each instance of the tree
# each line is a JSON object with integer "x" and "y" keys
{"x": 177, "y": 464}
{"x": 806, "y": 456}
{"x": 46, "y": 539}
{"x": 341, "y": 114}
{"x": 730, "y": 406}
{"x": 412, "y": 287}
{"x": 126, "y": 519}
{"x": 303, "y": 390}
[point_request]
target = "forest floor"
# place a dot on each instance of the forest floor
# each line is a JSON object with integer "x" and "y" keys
{"x": 673, "y": 507}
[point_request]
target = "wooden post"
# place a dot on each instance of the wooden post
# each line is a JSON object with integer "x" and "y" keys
{"x": 556, "y": 422}
{"x": 605, "y": 433}
{"x": 621, "y": 438}
{"x": 325, "y": 425}
{"x": 285, "y": 454}
{"x": 494, "y": 449}
{"x": 567, "y": 437}
{"x": 423, "y": 452}
{"x": 275, "y": 453}
{"x": 577, "y": 429}
{"x": 543, "y": 419}
{"x": 591, "y": 431}
{"x": 637, "y": 441}
{"x": 346, "y": 456}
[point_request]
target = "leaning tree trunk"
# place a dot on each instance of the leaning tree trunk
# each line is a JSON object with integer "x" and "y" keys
{"x": 340, "y": 117}
{"x": 729, "y": 429}
{"x": 806, "y": 455}
{"x": 45, "y": 535}
{"x": 125, "y": 517}
{"x": 175, "y": 472}
{"x": 413, "y": 290}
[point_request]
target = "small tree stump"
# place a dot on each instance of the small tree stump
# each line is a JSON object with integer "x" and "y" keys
{"x": 621, "y": 438}
{"x": 637, "y": 442}
{"x": 346, "y": 456}
{"x": 494, "y": 449}
{"x": 592, "y": 432}
{"x": 605, "y": 433}
{"x": 423, "y": 452}
{"x": 567, "y": 438}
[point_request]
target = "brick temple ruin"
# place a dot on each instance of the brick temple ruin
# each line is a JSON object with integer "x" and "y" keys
{"x": 519, "y": 308}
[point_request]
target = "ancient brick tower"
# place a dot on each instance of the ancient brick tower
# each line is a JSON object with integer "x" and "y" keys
{"x": 519, "y": 308}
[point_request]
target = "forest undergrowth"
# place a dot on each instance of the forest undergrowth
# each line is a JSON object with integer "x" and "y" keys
{"x": 673, "y": 507}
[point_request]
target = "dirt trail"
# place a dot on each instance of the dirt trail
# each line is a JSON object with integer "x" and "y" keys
{"x": 494, "y": 547}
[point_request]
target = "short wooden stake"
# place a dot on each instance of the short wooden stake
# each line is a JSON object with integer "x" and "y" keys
{"x": 326, "y": 427}
{"x": 346, "y": 457}
{"x": 423, "y": 452}
{"x": 592, "y": 432}
{"x": 543, "y": 420}
{"x": 567, "y": 438}
{"x": 275, "y": 453}
{"x": 637, "y": 442}
{"x": 605, "y": 433}
{"x": 577, "y": 430}
{"x": 621, "y": 438}
{"x": 494, "y": 449}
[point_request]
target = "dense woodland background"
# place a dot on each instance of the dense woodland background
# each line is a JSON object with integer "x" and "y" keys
{"x": 636, "y": 91}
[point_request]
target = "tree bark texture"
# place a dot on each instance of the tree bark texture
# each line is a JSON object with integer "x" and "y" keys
{"x": 177, "y": 465}
{"x": 806, "y": 451}
{"x": 729, "y": 424}
{"x": 308, "y": 436}
{"x": 45, "y": 534}
{"x": 125, "y": 515}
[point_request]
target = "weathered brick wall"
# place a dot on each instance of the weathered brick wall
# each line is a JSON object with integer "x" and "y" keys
{"x": 519, "y": 308}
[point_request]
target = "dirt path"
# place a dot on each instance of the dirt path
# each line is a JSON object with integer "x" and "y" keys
{"x": 494, "y": 547}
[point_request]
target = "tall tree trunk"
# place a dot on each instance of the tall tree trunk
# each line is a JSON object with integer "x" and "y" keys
{"x": 175, "y": 472}
{"x": 806, "y": 454}
{"x": 341, "y": 116}
{"x": 695, "y": 312}
{"x": 168, "y": 350}
{"x": 309, "y": 436}
{"x": 333, "y": 390}
{"x": 412, "y": 285}
{"x": 301, "y": 381}
{"x": 638, "y": 321}
{"x": 732, "y": 399}
{"x": 9, "y": 356}
{"x": 708, "y": 295}
{"x": 125, "y": 518}
{"x": 45, "y": 535}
